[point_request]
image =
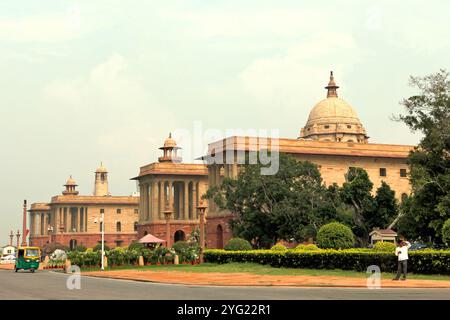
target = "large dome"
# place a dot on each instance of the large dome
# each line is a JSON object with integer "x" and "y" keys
{"x": 332, "y": 110}
{"x": 333, "y": 119}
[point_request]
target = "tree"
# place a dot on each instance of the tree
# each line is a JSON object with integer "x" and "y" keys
{"x": 386, "y": 207}
{"x": 356, "y": 192}
{"x": 446, "y": 232}
{"x": 429, "y": 113}
{"x": 267, "y": 208}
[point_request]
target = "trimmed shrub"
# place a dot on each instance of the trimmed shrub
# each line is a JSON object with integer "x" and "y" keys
{"x": 278, "y": 247}
{"x": 446, "y": 232}
{"x": 307, "y": 247}
{"x": 384, "y": 246}
{"x": 135, "y": 245}
{"x": 424, "y": 262}
{"x": 98, "y": 247}
{"x": 80, "y": 248}
{"x": 180, "y": 247}
{"x": 238, "y": 244}
{"x": 335, "y": 235}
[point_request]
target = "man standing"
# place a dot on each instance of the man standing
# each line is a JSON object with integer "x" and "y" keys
{"x": 402, "y": 253}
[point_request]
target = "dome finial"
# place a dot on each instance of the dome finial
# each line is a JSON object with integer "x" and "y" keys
{"x": 331, "y": 87}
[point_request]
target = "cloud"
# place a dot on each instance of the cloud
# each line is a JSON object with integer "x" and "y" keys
{"x": 50, "y": 27}
{"x": 289, "y": 79}
{"x": 120, "y": 112}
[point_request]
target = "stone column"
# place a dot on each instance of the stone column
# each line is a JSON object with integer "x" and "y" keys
{"x": 171, "y": 195}
{"x": 180, "y": 201}
{"x": 78, "y": 220}
{"x": 194, "y": 199}
{"x": 162, "y": 199}
{"x": 146, "y": 202}
{"x": 234, "y": 170}
{"x": 186, "y": 200}
{"x": 155, "y": 213}
{"x": 85, "y": 219}
{"x": 141, "y": 202}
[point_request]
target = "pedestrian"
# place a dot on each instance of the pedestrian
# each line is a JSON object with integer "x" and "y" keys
{"x": 402, "y": 253}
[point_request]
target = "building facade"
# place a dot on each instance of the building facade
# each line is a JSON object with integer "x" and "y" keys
{"x": 333, "y": 138}
{"x": 170, "y": 186}
{"x": 72, "y": 219}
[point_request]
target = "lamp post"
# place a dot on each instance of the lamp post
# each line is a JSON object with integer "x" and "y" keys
{"x": 24, "y": 224}
{"x": 102, "y": 229}
{"x": 50, "y": 231}
{"x": 167, "y": 215}
{"x": 11, "y": 236}
{"x": 18, "y": 238}
{"x": 201, "y": 209}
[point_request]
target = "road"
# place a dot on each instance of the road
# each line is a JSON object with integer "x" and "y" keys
{"x": 52, "y": 285}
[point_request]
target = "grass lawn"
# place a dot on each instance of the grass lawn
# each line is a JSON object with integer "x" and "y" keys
{"x": 254, "y": 268}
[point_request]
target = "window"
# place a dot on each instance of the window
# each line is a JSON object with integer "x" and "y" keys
{"x": 403, "y": 173}
{"x": 382, "y": 172}
{"x": 327, "y": 127}
{"x": 349, "y": 127}
{"x": 102, "y": 210}
{"x": 118, "y": 243}
{"x": 118, "y": 226}
{"x": 135, "y": 226}
{"x": 101, "y": 226}
{"x": 136, "y": 211}
{"x": 119, "y": 210}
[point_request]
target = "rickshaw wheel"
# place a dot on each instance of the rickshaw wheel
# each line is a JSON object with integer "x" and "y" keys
{"x": 32, "y": 270}
{"x": 15, "y": 269}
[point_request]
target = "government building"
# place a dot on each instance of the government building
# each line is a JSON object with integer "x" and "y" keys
{"x": 72, "y": 219}
{"x": 333, "y": 138}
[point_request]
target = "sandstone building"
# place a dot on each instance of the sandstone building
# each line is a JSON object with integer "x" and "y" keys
{"x": 72, "y": 219}
{"x": 170, "y": 185}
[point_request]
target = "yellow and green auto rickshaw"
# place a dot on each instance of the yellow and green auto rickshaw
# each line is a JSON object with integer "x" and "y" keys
{"x": 27, "y": 258}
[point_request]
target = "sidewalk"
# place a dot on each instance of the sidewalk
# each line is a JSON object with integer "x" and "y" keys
{"x": 247, "y": 279}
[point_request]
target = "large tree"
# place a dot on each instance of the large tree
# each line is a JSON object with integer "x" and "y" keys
{"x": 293, "y": 203}
{"x": 428, "y": 112}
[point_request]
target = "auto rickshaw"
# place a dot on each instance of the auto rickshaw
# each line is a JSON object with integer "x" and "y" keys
{"x": 27, "y": 258}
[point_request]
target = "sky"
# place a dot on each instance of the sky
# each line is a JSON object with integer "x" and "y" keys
{"x": 88, "y": 81}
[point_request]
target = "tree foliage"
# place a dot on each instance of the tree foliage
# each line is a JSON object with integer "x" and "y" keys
{"x": 291, "y": 204}
{"x": 429, "y": 113}
{"x": 335, "y": 235}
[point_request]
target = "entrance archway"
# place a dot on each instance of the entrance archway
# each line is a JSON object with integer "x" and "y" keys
{"x": 219, "y": 237}
{"x": 179, "y": 236}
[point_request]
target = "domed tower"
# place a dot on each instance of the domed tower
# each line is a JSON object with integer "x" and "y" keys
{"x": 101, "y": 181}
{"x": 170, "y": 149}
{"x": 70, "y": 187}
{"x": 333, "y": 119}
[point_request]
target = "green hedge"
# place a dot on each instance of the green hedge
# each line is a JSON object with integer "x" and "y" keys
{"x": 424, "y": 262}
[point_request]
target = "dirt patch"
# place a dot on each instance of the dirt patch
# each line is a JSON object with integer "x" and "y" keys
{"x": 248, "y": 279}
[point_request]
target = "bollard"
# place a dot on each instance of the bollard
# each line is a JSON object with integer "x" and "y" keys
{"x": 141, "y": 261}
{"x": 67, "y": 266}
{"x": 176, "y": 260}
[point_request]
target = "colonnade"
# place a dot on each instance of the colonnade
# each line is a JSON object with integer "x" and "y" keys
{"x": 181, "y": 196}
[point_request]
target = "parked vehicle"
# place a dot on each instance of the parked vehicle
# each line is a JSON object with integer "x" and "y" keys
{"x": 8, "y": 259}
{"x": 418, "y": 246}
{"x": 27, "y": 258}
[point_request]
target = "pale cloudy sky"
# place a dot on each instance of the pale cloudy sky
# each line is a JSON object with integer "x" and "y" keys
{"x": 89, "y": 81}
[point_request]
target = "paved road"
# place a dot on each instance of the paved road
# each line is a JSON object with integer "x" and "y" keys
{"x": 51, "y": 285}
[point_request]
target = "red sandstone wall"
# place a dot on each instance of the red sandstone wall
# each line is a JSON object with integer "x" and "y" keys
{"x": 88, "y": 240}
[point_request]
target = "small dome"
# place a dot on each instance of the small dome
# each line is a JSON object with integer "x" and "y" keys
{"x": 70, "y": 182}
{"x": 101, "y": 169}
{"x": 170, "y": 143}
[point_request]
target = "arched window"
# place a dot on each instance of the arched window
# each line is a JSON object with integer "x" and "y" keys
{"x": 135, "y": 226}
{"x": 118, "y": 226}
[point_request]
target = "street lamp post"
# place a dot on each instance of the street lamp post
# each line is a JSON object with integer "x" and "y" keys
{"x": 102, "y": 229}
{"x": 202, "y": 208}
{"x": 167, "y": 215}
{"x": 50, "y": 231}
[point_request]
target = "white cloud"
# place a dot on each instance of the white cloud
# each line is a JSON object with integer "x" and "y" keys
{"x": 123, "y": 115}
{"x": 288, "y": 80}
